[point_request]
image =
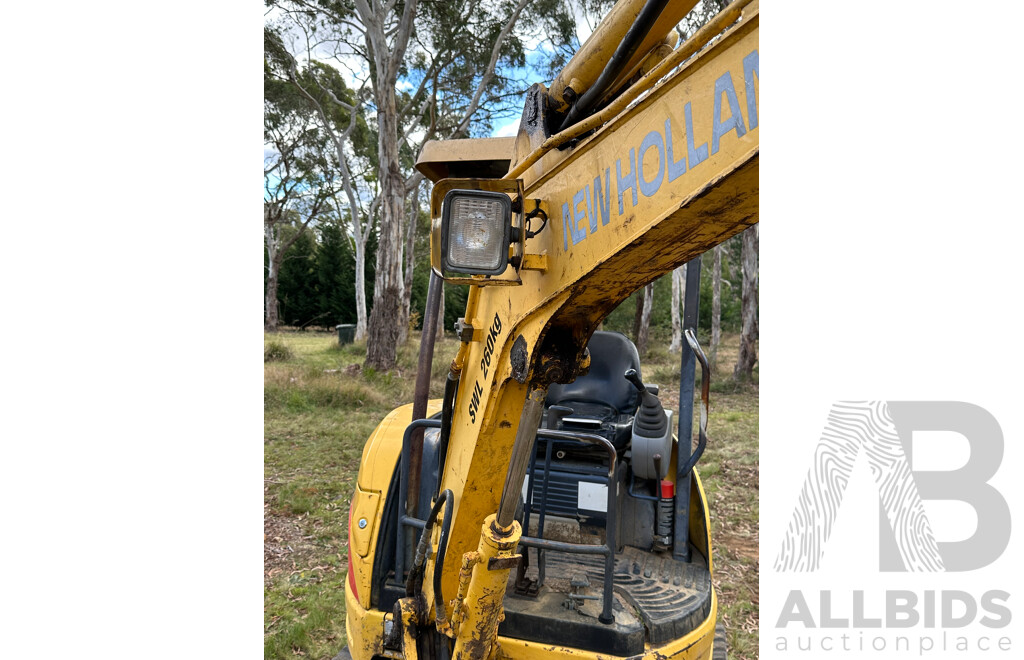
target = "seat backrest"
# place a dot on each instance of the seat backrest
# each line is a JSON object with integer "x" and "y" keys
{"x": 611, "y": 354}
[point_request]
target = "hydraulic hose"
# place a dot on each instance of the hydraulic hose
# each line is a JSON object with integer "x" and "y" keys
{"x": 451, "y": 388}
{"x": 442, "y": 549}
{"x": 641, "y": 26}
{"x": 414, "y": 584}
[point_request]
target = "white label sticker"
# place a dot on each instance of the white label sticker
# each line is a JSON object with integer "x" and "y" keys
{"x": 593, "y": 497}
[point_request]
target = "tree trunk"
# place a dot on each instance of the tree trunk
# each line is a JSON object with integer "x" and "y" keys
{"x": 274, "y": 258}
{"x": 678, "y": 291}
{"x": 386, "y": 317}
{"x": 748, "y": 351}
{"x": 270, "y": 320}
{"x": 410, "y": 236}
{"x": 360, "y": 289}
{"x": 638, "y": 316}
{"x": 716, "y": 304}
{"x": 642, "y": 322}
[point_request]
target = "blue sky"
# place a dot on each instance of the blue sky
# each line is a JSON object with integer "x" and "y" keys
{"x": 508, "y": 123}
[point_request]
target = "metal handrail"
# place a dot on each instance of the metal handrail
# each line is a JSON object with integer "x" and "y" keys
{"x": 607, "y": 549}
{"x": 404, "y": 519}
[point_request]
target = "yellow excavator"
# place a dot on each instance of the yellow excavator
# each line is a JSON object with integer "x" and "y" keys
{"x": 545, "y": 506}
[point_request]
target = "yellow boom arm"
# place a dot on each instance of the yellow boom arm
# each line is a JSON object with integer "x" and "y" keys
{"x": 660, "y": 182}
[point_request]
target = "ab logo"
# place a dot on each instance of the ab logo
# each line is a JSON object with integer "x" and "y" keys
{"x": 882, "y": 431}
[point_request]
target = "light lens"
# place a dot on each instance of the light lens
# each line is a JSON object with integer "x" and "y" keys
{"x": 478, "y": 232}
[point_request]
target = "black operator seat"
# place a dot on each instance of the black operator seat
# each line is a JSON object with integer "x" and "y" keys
{"x": 603, "y": 394}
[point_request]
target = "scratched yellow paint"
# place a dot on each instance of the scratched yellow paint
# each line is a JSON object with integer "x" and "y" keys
{"x": 364, "y": 627}
{"x": 380, "y": 456}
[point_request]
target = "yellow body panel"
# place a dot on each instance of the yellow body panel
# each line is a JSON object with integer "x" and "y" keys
{"x": 365, "y": 515}
{"x": 439, "y": 158}
{"x": 695, "y": 646}
{"x": 380, "y": 456}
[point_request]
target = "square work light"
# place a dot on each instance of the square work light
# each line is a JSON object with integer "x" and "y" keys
{"x": 475, "y": 231}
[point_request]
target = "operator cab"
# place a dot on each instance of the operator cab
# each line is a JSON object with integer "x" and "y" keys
{"x": 600, "y": 569}
{"x": 598, "y": 514}
{"x": 609, "y": 401}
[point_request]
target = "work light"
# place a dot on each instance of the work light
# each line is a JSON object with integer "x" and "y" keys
{"x": 475, "y": 231}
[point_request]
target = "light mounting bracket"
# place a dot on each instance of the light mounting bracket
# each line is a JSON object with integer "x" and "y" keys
{"x": 477, "y": 231}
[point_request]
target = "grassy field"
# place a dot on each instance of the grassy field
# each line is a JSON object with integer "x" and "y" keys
{"x": 319, "y": 408}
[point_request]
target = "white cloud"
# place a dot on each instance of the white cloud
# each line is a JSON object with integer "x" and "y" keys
{"x": 416, "y": 137}
{"x": 507, "y": 130}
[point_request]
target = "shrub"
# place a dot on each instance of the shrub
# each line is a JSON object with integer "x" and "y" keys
{"x": 276, "y": 351}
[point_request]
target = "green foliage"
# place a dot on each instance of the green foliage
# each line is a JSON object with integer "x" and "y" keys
{"x": 621, "y": 318}
{"x": 297, "y": 161}
{"x": 418, "y": 296}
{"x": 296, "y": 288}
{"x": 454, "y": 305}
{"x": 454, "y": 297}
{"x": 316, "y": 284}
{"x": 322, "y": 81}
{"x": 335, "y": 264}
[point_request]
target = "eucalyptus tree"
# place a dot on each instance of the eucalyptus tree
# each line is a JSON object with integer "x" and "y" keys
{"x": 716, "y": 305}
{"x": 298, "y": 180}
{"x": 433, "y": 69}
{"x": 749, "y": 332}
{"x": 414, "y": 212}
{"x": 642, "y": 319}
{"x": 340, "y": 113}
{"x": 701, "y": 13}
{"x": 677, "y": 310}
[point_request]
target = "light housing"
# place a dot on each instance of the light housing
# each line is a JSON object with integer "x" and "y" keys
{"x": 476, "y": 228}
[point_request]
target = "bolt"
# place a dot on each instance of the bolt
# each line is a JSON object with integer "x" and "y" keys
{"x": 362, "y": 523}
